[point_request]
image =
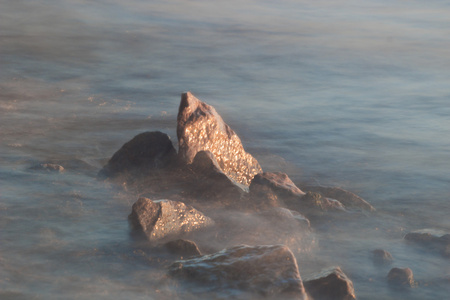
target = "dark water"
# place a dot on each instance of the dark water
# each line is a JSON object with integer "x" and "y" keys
{"x": 345, "y": 93}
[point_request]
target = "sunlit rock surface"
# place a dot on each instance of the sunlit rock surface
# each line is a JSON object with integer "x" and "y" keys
{"x": 145, "y": 152}
{"x": 400, "y": 278}
{"x": 348, "y": 199}
{"x": 264, "y": 271}
{"x": 435, "y": 240}
{"x": 330, "y": 284}
{"x": 200, "y": 127}
{"x": 381, "y": 257}
{"x": 163, "y": 219}
{"x": 211, "y": 181}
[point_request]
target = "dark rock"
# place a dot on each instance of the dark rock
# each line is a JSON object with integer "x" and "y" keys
{"x": 319, "y": 203}
{"x": 162, "y": 219}
{"x": 211, "y": 182}
{"x": 330, "y": 284}
{"x": 278, "y": 182}
{"x": 48, "y": 167}
{"x": 280, "y": 216}
{"x": 145, "y": 152}
{"x": 435, "y": 240}
{"x": 400, "y": 277}
{"x": 267, "y": 271}
{"x": 348, "y": 199}
{"x": 381, "y": 257}
{"x": 183, "y": 248}
{"x": 200, "y": 127}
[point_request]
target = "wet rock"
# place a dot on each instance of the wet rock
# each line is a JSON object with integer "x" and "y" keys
{"x": 145, "y": 152}
{"x": 330, "y": 284}
{"x": 211, "y": 182}
{"x": 381, "y": 257}
{"x": 267, "y": 271}
{"x": 400, "y": 277}
{"x": 278, "y": 182}
{"x": 281, "y": 216}
{"x": 48, "y": 167}
{"x": 319, "y": 203}
{"x": 183, "y": 248}
{"x": 163, "y": 219}
{"x": 435, "y": 240}
{"x": 200, "y": 127}
{"x": 348, "y": 199}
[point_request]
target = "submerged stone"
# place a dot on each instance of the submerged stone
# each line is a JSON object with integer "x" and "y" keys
{"x": 330, "y": 284}
{"x": 436, "y": 240}
{"x": 163, "y": 219}
{"x": 48, "y": 167}
{"x": 145, "y": 152}
{"x": 348, "y": 199}
{"x": 267, "y": 271}
{"x": 381, "y": 257}
{"x": 283, "y": 216}
{"x": 400, "y": 277}
{"x": 182, "y": 247}
{"x": 200, "y": 127}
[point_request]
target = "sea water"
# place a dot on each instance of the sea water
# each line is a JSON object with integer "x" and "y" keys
{"x": 352, "y": 94}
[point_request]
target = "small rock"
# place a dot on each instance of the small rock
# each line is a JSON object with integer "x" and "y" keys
{"x": 163, "y": 219}
{"x": 401, "y": 277}
{"x": 279, "y": 182}
{"x": 381, "y": 257}
{"x": 267, "y": 271}
{"x": 316, "y": 201}
{"x": 330, "y": 284}
{"x": 48, "y": 167}
{"x": 348, "y": 199}
{"x": 280, "y": 215}
{"x": 182, "y": 247}
{"x": 200, "y": 127}
{"x": 145, "y": 152}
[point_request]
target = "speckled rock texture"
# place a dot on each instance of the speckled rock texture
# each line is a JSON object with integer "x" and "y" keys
{"x": 163, "y": 219}
{"x": 200, "y": 127}
{"x": 262, "y": 271}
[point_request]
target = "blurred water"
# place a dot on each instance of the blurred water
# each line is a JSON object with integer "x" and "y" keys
{"x": 346, "y": 93}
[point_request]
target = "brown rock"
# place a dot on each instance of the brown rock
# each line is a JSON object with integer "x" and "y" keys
{"x": 399, "y": 277}
{"x": 162, "y": 219}
{"x": 200, "y": 127}
{"x": 435, "y": 240}
{"x": 267, "y": 271}
{"x": 145, "y": 152}
{"x": 381, "y": 257}
{"x": 348, "y": 199}
{"x": 279, "y": 182}
{"x": 182, "y": 247}
{"x": 330, "y": 284}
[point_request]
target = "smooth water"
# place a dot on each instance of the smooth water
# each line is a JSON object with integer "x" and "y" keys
{"x": 345, "y": 93}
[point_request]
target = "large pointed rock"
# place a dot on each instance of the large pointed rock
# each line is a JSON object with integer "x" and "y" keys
{"x": 163, "y": 219}
{"x": 200, "y": 127}
{"x": 264, "y": 271}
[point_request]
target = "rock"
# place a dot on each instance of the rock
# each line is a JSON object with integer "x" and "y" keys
{"x": 381, "y": 257}
{"x": 348, "y": 199}
{"x": 163, "y": 219}
{"x": 182, "y": 247}
{"x": 280, "y": 216}
{"x": 200, "y": 127}
{"x": 267, "y": 271}
{"x": 145, "y": 152}
{"x": 399, "y": 278}
{"x": 318, "y": 203}
{"x": 278, "y": 182}
{"x": 211, "y": 182}
{"x": 436, "y": 240}
{"x": 330, "y": 284}
{"x": 48, "y": 167}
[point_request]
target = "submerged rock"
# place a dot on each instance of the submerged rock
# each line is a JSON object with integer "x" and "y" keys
{"x": 400, "y": 277}
{"x": 48, "y": 167}
{"x": 267, "y": 271}
{"x": 163, "y": 219}
{"x": 330, "y": 284}
{"x": 145, "y": 152}
{"x": 182, "y": 247}
{"x": 200, "y": 127}
{"x": 381, "y": 257}
{"x": 283, "y": 217}
{"x": 436, "y": 240}
{"x": 348, "y": 199}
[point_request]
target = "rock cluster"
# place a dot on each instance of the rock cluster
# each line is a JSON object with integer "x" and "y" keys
{"x": 212, "y": 167}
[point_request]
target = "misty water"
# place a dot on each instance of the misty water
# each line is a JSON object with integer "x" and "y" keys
{"x": 352, "y": 94}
